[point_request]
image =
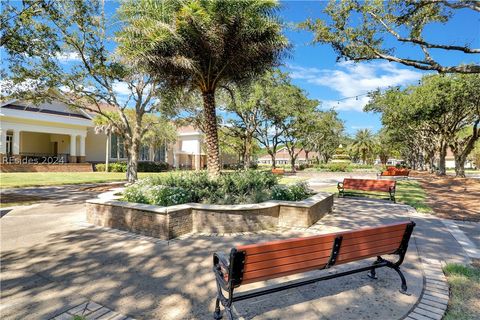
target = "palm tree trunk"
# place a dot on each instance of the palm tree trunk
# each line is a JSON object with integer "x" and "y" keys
{"x": 211, "y": 134}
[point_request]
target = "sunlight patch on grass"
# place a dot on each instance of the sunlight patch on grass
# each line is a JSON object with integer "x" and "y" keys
{"x": 464, "y": 282}
{"x": 408, "y": 192}
{"x": 291, "y": 179}
{"x": 33, "y": 179}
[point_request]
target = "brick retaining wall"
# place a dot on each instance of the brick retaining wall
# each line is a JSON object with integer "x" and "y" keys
{"x": 171, "y": 222}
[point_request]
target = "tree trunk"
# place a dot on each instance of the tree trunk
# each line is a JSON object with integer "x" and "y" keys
{"x": 306, "y": 156}
{"x": 292, "y": 163}
{"x": 211, "y": 134}
{"x": 443, "y": 154}
{"x": 246, "y": 155}
{"x": 274, "y": 165}
{"x": 460, "y": 165}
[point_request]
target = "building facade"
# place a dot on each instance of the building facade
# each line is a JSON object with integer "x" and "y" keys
{"x": 53, "y": 133}
{"x": 283, "y": 158}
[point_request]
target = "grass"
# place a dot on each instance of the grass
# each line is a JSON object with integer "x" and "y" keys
{"x": 291, "y": 179}
{"x": 408, "y": 192}
{"x": 464, "y": 282}
{"x": 33, "y": 179}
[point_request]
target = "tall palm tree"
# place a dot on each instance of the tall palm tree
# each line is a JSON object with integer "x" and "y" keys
{"x": 363, "y": 143}
{"x": 202, "y": 45}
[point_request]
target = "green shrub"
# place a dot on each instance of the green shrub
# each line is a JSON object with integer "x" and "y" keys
{"x": 144, "y": 166}
{"x": 229, "y": 188}
{"x": 293, "y": 192}
{"x": 168, "y": 196}
{"x": 135, "y": 193}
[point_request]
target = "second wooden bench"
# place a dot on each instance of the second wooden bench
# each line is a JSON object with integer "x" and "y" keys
{"x": 388, "y": 186}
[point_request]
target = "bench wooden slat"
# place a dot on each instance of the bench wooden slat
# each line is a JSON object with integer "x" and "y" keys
{"x": 364, "y": 257}
{"x": 326, "y": 239}
{"x": 375, "y": 237}
{"x": 275, "y": 272}
{"x": 372, "y": 251}
{"x": 277, "y": 261}
{"x": 349, "y": 239}
{"x": 288, "y": 252}
{"x": 373, "y": 244}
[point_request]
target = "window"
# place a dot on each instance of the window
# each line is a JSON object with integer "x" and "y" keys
{"x": 144, "y": 153}
{"x": 117, "y": 147}
{"x": 160, "y": 154}
{"x": 9, "y": 144}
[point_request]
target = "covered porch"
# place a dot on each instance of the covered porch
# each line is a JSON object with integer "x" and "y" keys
{"x": 41, "y": 145}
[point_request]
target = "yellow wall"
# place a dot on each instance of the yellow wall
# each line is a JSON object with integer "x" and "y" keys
{"x": 33, "y": 142}
{"x": 63, "y": 142}
{"x": 95, "y": 146}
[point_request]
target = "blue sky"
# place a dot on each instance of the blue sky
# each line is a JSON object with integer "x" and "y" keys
{"x": 314, "y": 67}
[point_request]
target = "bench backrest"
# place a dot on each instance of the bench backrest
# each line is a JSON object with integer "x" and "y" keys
{"x": 285, "y": 257}
{"x": 368, "y": 184}
{"x": 278, "y": 171}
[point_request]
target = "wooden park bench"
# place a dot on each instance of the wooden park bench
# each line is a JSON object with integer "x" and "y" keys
{"x": 258, "y": 262}
{"x": 279, "y": 171}
{"x": 395, "y": 172}
{"x": 368, "y": 185}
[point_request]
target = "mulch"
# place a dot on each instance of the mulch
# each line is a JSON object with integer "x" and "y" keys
{"x": 450, "y": 197}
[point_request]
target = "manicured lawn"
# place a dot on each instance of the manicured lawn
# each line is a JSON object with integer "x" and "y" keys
{"x": 408, "y": 192}
{"x": 291, "y": 179}
{"x": 31, "y": 179}
{"x": 464, "y": 282}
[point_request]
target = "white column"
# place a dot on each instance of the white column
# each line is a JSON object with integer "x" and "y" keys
{"x": 82, "y": 146}
{"x": 16, "y": 142}
{"x": 3, "y": 142}
{"x": 73, "y": 145}
{"x": 107, "y": 152}
{"x": 197, "y": 156}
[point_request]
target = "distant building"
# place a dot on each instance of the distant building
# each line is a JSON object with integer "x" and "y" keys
{"x": 283, "y": 158}
{"x": 55, "y": 131}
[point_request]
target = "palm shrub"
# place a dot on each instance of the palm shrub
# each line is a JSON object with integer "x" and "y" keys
{"x": 230, "y": 188}
{"x": 201, "y": 46}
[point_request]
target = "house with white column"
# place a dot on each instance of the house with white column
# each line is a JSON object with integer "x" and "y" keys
{"x": 53, "y": 133}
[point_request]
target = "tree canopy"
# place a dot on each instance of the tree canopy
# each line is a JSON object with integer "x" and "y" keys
{"x": 364, "y": 30}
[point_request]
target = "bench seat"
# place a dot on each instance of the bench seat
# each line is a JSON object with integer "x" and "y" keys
{"x": 259, "y": 262}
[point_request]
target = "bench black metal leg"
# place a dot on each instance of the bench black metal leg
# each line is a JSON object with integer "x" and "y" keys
{"x": 402, "y": 277}
{"x": 372, "y": 274}
{"x": 217, "y": 315}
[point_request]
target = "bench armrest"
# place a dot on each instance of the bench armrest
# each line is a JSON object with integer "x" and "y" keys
{"x": 221, "y": 268}
{"x": 340, "y": 185}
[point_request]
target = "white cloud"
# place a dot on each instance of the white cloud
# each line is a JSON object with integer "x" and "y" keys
{"x": 355, "y": 79}
{"x": 68, "y": 57}
{"x": 8, "y": 87}
{"x": 121, "y": 88}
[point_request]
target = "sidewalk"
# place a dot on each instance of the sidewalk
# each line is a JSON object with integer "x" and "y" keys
{"x": 147, "y": 278}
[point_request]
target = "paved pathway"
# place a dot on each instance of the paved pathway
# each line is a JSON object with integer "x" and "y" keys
{"x": 52, "y": 261}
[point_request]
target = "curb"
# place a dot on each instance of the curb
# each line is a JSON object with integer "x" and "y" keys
{"x": 434, "y": 299}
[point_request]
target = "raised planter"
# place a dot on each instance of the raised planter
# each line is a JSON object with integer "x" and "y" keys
{"x": 171, "y": 222}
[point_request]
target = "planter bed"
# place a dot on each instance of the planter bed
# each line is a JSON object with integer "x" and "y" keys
{"x": 173, "y": 221}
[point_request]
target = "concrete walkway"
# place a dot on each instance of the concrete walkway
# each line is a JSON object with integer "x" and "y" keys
{"x": 52, "y": 261}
